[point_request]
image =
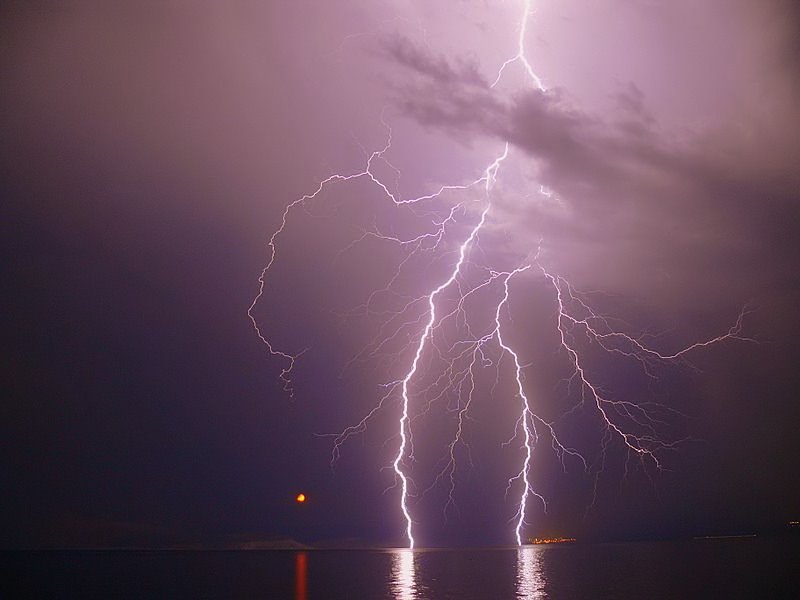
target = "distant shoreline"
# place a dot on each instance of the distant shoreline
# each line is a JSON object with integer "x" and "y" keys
{"x": 294, "y": 546}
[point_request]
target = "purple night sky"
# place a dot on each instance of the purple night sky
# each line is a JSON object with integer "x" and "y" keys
{"x": 149, "y": 150}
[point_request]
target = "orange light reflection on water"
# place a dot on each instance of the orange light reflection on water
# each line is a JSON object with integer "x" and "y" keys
{"x": 301, "y": 576}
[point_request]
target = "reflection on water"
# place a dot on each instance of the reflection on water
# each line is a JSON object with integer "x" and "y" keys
{"x": 301, "y": 576}
{"x": 408, "y": 583}
{"x": 404, "y": 585}
{"x": 530, "y": 578}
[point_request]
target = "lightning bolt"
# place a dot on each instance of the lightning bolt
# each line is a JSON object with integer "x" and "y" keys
{"x": 632, "y": 424}
{"x": 525, "y": 415}
{"x": 490, "y": 177}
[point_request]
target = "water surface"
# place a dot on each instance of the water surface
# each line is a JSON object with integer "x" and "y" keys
{"x": 734, "y": 568}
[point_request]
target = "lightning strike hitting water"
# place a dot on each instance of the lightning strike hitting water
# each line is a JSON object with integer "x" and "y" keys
{"x": 490, "y": 175}
{"x": 525, "y": 417}
{"x": 631, "y": 424}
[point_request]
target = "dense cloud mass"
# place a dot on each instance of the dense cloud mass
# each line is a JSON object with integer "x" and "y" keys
{"x": 725, "y": 194}
{"x": 149, "y": 149}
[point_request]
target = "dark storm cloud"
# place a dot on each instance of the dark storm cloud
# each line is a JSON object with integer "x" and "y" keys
{"x": 438, "y": 68}
{"x": 634, "y": 188}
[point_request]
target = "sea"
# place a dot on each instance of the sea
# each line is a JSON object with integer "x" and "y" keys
{"x": 757, "y": 568}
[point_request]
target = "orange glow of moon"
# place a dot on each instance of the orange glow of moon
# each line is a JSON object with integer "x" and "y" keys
{"x": 300, "y": 498}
